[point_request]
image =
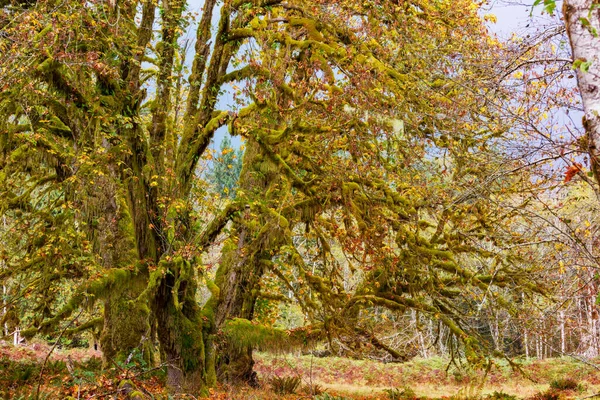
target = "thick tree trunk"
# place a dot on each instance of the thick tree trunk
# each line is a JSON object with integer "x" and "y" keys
{"x": 126, "y": 325}
{"x": 180, "y": 330}
{"x": 583, "y": 24}
{"x": 238, "y": 280}
{"x": 179, "y": 321}
{"x": 242, "y": 266}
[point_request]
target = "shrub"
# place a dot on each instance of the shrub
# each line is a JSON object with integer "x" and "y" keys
{"x": 313, "y": 390}
{"x": 285, "y": 384}
{"x": 55, "y": 367}
{"x": 15, "y": 373}
{"x": 401, "y": 394}
{"x": 551, "y": 394}
{"x": 565, "y": 384}
{"x": 500, "y": 396}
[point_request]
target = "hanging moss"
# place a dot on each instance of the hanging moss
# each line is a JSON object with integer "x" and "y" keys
{"x": 208, "y": 311}
{"x": 242, "y": 333}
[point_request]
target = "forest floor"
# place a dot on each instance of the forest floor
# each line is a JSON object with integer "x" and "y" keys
{"x": 78, "y": 373}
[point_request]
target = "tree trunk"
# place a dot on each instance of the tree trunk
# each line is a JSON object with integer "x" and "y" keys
{"x": 115, "y": 243}
{"x": 563, "y": 338}
{"x": 582, "y": 24}
{"x": 180, "y": 329}
{"x": 242, "y": 265}
{"x": 126, "y": 326}
{"x": 526, "y": 341}
{"x": 179, "y": 319}
{"x": 238, "y": 283}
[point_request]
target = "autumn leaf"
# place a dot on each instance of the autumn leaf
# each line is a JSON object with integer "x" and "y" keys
{"x": 572, "y": 170}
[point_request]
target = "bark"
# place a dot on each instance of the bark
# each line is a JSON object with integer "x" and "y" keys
{"x": 126, "y": 326}
{"x": 585, "y": 44}
{"x": 180, "y": 330}
{"x": 242, "y": 267}
{"x": 179, "y": 322}
{"x": 562, "y": 333}
{"x": 238, "y": 282}
{"x": 115, "y": 245}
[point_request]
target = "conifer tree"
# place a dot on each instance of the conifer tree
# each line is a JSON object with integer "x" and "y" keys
{"x": 225, "y": 169}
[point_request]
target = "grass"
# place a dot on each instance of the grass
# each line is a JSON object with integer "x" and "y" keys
{"x": 429, "y": 378}
{"x": 339, "y": 378}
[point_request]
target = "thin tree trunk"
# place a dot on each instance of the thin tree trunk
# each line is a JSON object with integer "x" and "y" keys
{"x": 4, "y": 311}
{"x": 4, "y": 288}
{"x": 526, "y": 340}
{"x": 422, "y": 346}
{"x": 582, "y": 24}
{"x": 562, "y": 333}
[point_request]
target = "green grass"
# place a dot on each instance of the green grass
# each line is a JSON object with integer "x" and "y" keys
{"x": 428, "y": 377}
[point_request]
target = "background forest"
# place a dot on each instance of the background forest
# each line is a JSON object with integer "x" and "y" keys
{"x": 188, "y": 194}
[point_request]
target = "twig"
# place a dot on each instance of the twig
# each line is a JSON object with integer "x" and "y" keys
{"x": 591, "y": 396}
{"x": 37, "y": 390}
{"x": 164, "y": 364}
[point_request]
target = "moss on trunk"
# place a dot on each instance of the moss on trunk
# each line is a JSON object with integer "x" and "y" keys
{"x": 252, "y": 241}
{"x": 126, "y": 324}
{"x": 180, "y": 329}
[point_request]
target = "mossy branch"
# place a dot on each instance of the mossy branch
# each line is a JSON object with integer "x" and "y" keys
{"x": 217, "y": 224}
{"x": 243, "y": 333}
{"x": 91, "y": 324}
{"x": 97, "y": 288}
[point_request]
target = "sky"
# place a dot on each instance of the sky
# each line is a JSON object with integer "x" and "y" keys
{"x": 512, "y": 16}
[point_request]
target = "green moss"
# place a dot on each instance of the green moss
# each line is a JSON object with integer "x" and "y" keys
{"x": 192, "y": 345}
{"x": 243, "y": 333}
{"x": 136, "y": 395}
{"x": 216, "y": 122}
{"x": 208, "y": 311}
{"x": 47, "y": 65}
{"x": 210, "y": 365}
{"x": 154, "y": 281}
{"x": 43, "y": 33}
{"x": 125, "y": 383}
{"x": 312, "y": 27}
{"x": 56, "y": 124}
{"x": 124, "y": 334}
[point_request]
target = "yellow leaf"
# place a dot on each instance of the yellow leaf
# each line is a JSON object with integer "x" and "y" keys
{"x": 490, "y": 18}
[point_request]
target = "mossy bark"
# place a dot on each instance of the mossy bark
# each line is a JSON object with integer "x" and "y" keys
{"x": 238, "y": 278}
{"x": 126, "y": 324}
{"x": 172, "y": 297}
{"x": 242, "y": 267}
{"x": 180, "y": 329}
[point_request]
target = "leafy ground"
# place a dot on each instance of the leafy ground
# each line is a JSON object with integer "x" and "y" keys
{"x": 78, "y": 373}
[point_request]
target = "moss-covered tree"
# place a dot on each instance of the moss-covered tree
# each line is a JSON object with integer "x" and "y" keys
{"x": 349, "y": 111}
